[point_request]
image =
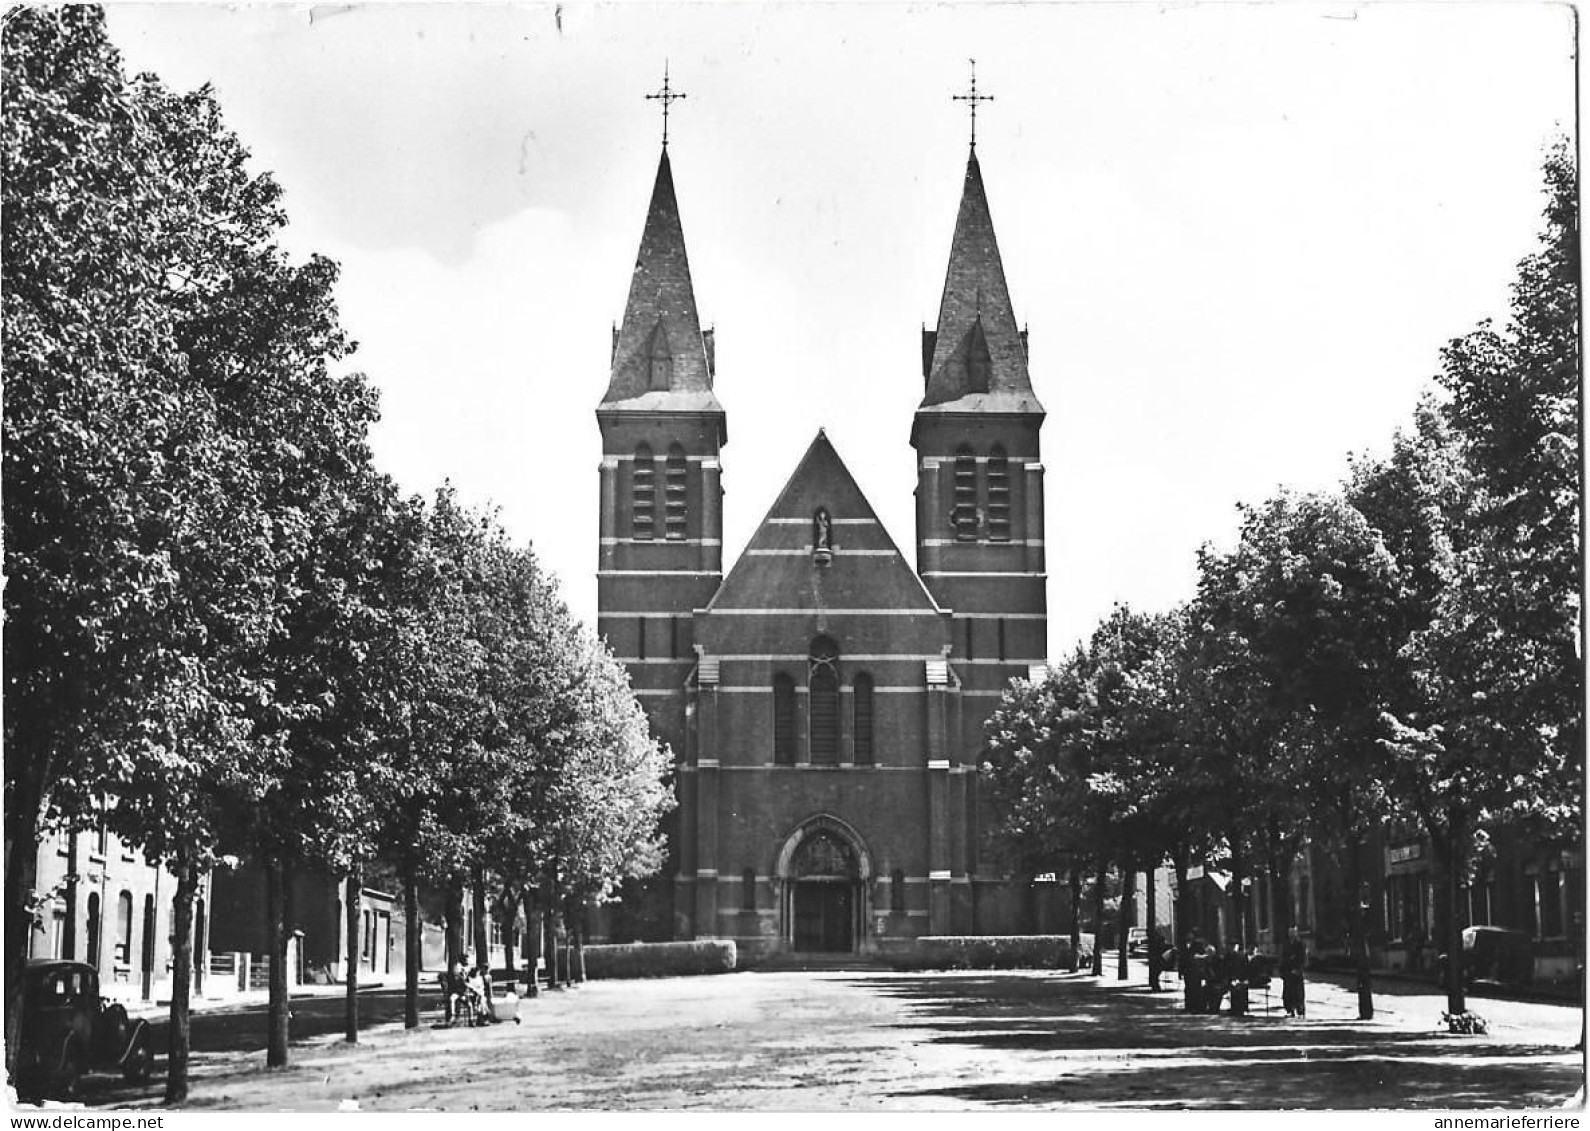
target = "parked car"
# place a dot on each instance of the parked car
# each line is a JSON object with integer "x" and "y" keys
{"x": 1137, "y": 942}
{"x": 68, "y": 1028}
{"x": 1494, "y": 954}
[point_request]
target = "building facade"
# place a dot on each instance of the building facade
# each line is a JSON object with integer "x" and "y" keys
{"x": 825, "y": 697}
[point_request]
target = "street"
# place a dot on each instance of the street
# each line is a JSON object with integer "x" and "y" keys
{"x": 878, "y": 1040}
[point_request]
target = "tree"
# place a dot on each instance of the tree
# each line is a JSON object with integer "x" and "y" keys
{"x": 1492, "y": 731}
{"x": 170, "y": 429}
{"x": 1310, "y": 598}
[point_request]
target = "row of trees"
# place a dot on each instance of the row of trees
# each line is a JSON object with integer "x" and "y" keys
{"x": 225, "y": 633}
{"x": 1406, "y": 647}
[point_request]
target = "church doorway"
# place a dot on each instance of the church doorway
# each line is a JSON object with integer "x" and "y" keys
{"x": 824, "y": 917}
{"x": 824, "y": 891}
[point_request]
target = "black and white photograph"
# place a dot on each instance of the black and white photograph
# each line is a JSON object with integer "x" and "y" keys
{"x": 1125, "y": 657}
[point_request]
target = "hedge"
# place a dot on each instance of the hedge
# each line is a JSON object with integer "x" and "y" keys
{"x": 990, "y": 952}
{"x": 660, "y": 960}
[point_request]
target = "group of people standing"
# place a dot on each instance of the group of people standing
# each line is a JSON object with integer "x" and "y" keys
{"x": 1208, "y": 976}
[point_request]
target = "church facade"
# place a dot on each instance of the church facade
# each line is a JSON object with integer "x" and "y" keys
{"x": 825, "y": 697}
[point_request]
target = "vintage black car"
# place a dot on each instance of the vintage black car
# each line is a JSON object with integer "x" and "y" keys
{"x": 68, "y": 1028}
{"x": 1493, "y": 954}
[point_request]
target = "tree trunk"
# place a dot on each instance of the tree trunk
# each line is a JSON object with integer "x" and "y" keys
{"x": 1151, "y": 900}
{"x": 1183, "y": 909}
{"x": 453, "y": 915}
{"x": 278, "y": 1020}
{"x": 509, "y": 903}
{"x": 577, "y": 946}
{"x": 1098, "y": 922}
{"x": 414, "y": 941}
{"x": 1281, "y": 896}
{"x": 1456, "y": 999}
{"x": 534, "y": 929}
{"x": 1239, "y": 909}
{"x": 1356, "y": 935}
{"x": 353, "y": 896}
{"x": 22, "y": 863}
{"x": 1076, "y": 919}
{"x": 1123, "y": 918}
{"x": 178, "y": 1040}
{"x": 482, "y": 933}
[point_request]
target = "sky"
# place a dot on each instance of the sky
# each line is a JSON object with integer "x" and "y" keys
{"x": 1239, "y": 234}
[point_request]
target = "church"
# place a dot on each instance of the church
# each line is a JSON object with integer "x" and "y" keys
{"x": 824, "y": 697}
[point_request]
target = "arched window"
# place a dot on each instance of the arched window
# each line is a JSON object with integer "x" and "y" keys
{"x": 964, "y": 516}
{"x": 748, "y": 890}
{"x": 678, "y": 475}
{"x": 643, "y": 494}
{"x": 783, "y": 720}
{"x": 823, "y": 701}
{"x": 91, "y": 952}
{"x": 660, "y": 361}
{"x": 998, "y": 495}
{"x": 124, "y": 925}
{"x": 861, "y": 707}
{"x": 897, "y": 892}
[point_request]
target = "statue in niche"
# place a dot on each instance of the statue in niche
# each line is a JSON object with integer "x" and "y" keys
{"x": 822, "y": 536}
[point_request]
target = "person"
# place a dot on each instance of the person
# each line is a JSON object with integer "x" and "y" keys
{"x": 1214, "y": 979}
{"x": 1156, "y": 946}
{"x": 1294, "y": 955}
{"x": 475, "y": 987}
{"x": 1237, "y": 979}
{"x": 453, "y": 994}
{"x": 1192, "y": 974}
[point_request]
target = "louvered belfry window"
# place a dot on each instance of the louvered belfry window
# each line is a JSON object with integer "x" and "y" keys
{"x": 964, "y": 516}
{"x": 822, "y": 701}
{"x": 677, "y": 509}
{"x": 783, "y": 720}
{"x": 861, "y": 705}
{"x": 643, "y": 494}
{"x": 998, "y": 495}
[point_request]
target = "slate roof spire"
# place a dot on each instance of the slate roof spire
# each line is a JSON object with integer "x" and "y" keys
{"x": 660, "y": 356}
{"x": 976, "y": 359}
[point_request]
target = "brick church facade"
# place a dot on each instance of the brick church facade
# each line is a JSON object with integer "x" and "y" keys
{"x": 824, "y": 699}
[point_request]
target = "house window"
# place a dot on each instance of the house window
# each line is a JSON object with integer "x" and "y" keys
{"x": 861, "y": 705}
{"x": 124, "y": 925}
{"x": 748, "y": 890}
{"x": 964, "y": 515}
{"x": 897, "y": 892}
{"x": 998, "y": 495}
{"x": 823, "y": 701}
{"x": 643, "y": 494}
{"x": 970, "y": 655}
{"x": 1001, "y": 629}
{"x": 676, "y": 509}
{"x": 783, "y": 720}
{"x": 673, "y": 638}
{"x": 661, "y": 361}
{"x": 640, "y": 638}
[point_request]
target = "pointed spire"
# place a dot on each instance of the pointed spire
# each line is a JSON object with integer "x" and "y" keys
{"x": 977, "y": 351}
{"x": 660, "y": 353}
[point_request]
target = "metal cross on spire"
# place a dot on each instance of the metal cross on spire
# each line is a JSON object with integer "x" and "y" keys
{"x": 666, "y": 96}
{"x": 974, "y": 98}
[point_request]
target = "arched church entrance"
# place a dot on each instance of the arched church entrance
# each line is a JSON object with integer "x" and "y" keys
{"x": 824, "y": 869}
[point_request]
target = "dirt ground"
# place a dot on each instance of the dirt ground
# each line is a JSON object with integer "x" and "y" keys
{"x": 869, "y": 1041}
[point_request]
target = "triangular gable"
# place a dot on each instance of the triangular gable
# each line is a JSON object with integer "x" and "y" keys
{"x": 779, "y": 568}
